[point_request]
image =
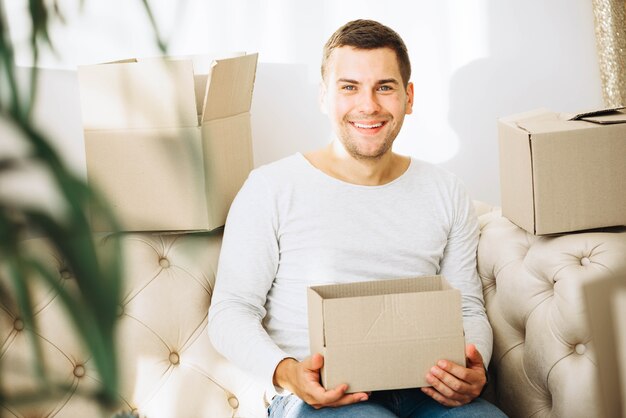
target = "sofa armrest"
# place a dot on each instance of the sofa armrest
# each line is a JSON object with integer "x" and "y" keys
{"x": 544, "y": 356}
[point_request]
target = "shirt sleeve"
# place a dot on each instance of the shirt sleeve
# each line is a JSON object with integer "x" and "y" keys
{"x": 247, "y": 266}
{"x": 458, "y": 266}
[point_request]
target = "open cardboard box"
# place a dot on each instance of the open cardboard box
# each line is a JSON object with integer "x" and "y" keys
{"x": 168, "y": 140}
{"x": 562, "y": 172}
{"x": 385, "y": 334}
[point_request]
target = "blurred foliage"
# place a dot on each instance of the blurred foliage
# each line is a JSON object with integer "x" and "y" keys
{"x": 93, "y": 307}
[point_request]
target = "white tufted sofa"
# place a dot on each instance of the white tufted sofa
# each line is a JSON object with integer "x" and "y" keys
{"x": 543, "y": 361}
{"x": 543, "y": 355}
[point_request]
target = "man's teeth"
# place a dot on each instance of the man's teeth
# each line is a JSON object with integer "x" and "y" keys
{"x": 361, "y": 125}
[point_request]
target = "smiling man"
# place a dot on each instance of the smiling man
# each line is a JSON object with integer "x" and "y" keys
{"x": 352, "y": 211}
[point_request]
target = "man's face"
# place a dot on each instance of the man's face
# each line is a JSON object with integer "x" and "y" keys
{"x": 365, "y": 98}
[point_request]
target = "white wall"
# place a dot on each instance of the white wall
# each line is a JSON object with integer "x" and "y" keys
{"x": 473, "y": 61}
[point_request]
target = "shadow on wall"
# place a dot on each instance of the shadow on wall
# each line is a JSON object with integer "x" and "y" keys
{"x": 536, "y": 60}
{"x": 286, "y": 117}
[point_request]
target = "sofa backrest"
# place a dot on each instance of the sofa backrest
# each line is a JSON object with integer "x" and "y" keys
{"x": 167, "y": 365}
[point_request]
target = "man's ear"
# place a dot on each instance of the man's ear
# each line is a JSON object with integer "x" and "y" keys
{"x": 321, "y": 97}
{"x": 409, "y": 98}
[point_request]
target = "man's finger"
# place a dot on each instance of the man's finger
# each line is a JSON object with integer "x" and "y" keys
{"x": 473, "y": 355}
{"x": 441, "y": 387}
{"x": 314, "y": 363}
{"x": 337, "y": 397}
{"x": 440, "y": 398}
{"x": 350, "y": 399}
{"x": 451, "y": 381}
{"x": 454, "y": 369}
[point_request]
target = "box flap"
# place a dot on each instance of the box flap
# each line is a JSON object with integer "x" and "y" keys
{"x": 533, "y": 121}
{"x": 380, "y": 287}
{"x": 603, "y": 116}
{"x": 550, "y": 122}
{"x": 132, "y": 94}
{"x": 316, "y": 321}
{"x": 229, "y": 89}
{"x": 617, "y": 116}
{"x": 531, "y": 114}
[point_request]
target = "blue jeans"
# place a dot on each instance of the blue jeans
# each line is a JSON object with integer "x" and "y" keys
{"x": 404, "y": 403}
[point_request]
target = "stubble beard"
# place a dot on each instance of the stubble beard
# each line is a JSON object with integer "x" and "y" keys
{"x": 350, "y": 143}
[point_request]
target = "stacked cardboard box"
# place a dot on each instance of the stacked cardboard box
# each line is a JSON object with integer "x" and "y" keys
{"x": 562, "y": 172}
{"x": 168, "y": 140}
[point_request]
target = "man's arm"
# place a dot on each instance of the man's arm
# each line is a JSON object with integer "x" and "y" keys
{"x": 246, "y": 270}
{"x": 454, "y": 384}
{"x": 458, "y": 266}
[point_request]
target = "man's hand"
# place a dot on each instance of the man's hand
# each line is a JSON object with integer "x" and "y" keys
{"x": 303, "y": 379}
{"x": 455, "y": 385}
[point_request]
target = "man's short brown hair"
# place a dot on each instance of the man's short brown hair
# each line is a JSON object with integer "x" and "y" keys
{"x": 369, "y": 34}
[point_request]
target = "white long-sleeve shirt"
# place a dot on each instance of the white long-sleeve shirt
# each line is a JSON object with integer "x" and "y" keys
{"x": 292, "y": 226}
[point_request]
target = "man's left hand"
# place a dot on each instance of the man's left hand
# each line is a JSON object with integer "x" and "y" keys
{"x": 455, "y": 385}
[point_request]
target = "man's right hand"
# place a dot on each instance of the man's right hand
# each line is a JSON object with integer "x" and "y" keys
{"x": 302, "y": 378}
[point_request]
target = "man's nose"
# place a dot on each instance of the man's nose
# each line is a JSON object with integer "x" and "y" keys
{"x": 368, "y": 102}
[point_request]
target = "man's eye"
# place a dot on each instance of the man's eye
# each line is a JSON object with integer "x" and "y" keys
{"x": 385, "y": 88}
{"x": 348, "y": 87}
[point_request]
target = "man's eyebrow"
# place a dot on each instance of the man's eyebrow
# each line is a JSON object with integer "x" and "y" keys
{"x": 388, "y": 81}
{"x": 383, "y": 81}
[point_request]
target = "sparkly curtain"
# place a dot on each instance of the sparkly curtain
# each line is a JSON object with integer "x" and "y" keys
{"x": 610, "y": 24}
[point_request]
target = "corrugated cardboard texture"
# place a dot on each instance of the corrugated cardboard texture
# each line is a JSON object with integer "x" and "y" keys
{"x": 231, "y": 140}
{"x": 516, "y": 176}
{"x": 141, "y": 173}
{"x": 606, "y": 306}
{"x": 577, "y": 170}
{"x": 385, "y": 334}
{"x": 232, "y": 75}
{"x": 158, "y": 166}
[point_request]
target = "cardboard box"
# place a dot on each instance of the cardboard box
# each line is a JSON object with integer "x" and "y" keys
{"x": 168, "y": 140}
{"x": 561, "y": 172}
{"x": 605, "y": 299}
{"x": 385, "y": 334}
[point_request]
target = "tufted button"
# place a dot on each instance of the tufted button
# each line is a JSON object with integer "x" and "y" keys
{"x": 233, "y": 402}
{"x": 65, "y": 274}
{"x": 18, "y": 324}
{"x": 79, "y": 370}
{"x": 164, "y": 262}
{"x": 585, "y": 261}
{"x": 120, "y": 310}
{"x": 580, "y": 348}
{"x": 174, "y": 358}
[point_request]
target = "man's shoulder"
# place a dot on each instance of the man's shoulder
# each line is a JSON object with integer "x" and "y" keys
{"x": 425, "y": 170}
{"x": 285, "y": 169}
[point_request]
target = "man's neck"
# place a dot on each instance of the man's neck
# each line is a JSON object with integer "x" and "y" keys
{"x": 334, "y": 161}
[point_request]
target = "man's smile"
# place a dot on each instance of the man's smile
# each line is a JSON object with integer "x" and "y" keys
{"x": 368, "y": 125}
